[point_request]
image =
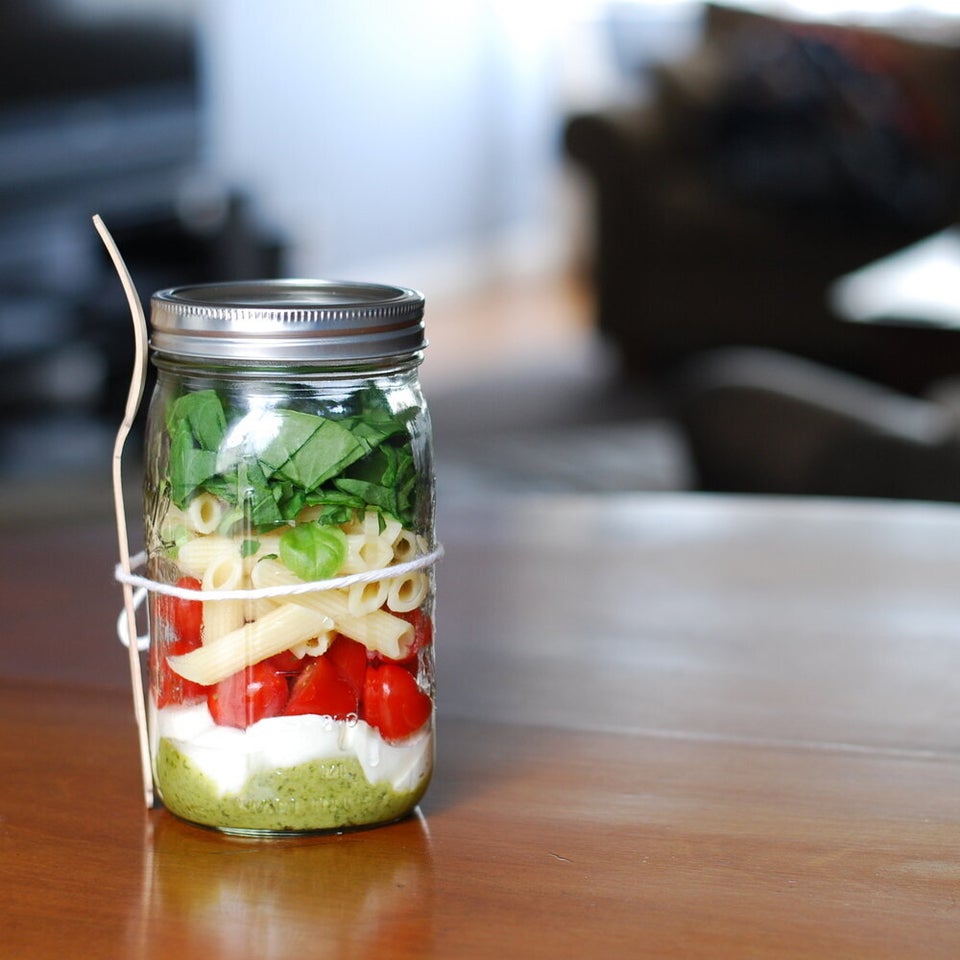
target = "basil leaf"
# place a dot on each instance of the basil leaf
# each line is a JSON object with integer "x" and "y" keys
{"x": 190, "y": 467}
{"x": 372, "y": 494}
{"x": 291, "y": 500}
{"x": 312, "y": 551}
{"x": 385, "y": 480}
{"x": 258, "y": 496}
{"x": 336, "y": 506}
{"x": 196, "y": 424}
{"x": 308, "y": 450}
{"x": 334, "y": 514}
{"x": 344, "y": 466}
{"x": 203, "y": 411}
{"x": 375, "y": 427}
{"x": 292, "y": 430}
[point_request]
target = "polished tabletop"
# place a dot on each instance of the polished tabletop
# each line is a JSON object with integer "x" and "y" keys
{"x": 670, "y": 726}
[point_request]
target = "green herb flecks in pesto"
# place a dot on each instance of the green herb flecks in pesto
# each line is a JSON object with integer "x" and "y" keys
{"x": 317, "y": 795}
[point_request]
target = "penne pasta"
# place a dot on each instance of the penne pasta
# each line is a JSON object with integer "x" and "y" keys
{"x": 312, "y": 647}
{"x": 364, "y": 598}
{"x": 282, "y": 628}
{"x": 225, "y": 572}
{"x": 204, "y": 513}
{"x": 267, "y": 545}
{"x": 196, "y": 555}
{"x": 378, "y": 630}
{"x": 392, "y": 530}
{"x": 374, "y": 523}
{"x": 381, "y": 525}
{"x": 254, "y": 609}
{"x": 366, "y": 553}
{"x": 407, "y": 593}
{"x": 405, "y": 547}
{"x": 354, "y": 525}
{"x": 223, "y": 616}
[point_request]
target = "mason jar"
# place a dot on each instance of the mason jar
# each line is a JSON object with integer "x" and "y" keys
{"x": 289, "y": 525}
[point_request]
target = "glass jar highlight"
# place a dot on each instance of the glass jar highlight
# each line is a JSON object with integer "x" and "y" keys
{"x": 290, "y": 530}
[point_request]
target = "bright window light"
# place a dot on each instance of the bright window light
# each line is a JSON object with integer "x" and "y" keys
{"x": 846, "y": 8}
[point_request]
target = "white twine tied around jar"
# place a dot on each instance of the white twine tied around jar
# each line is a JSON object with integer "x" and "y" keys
{"x": 136, "y": 587}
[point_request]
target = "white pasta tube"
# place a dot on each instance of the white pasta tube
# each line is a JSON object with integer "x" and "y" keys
{"x": 364, "y": 598}
{"x": 365, "y": 552}
{"x": 377, "y": 630}
{"x": 312, "y": 647}
{"x": 282, "y": 628}
{"x": 392, "y": 528}
{"x": 354, "y": 525}
{"x": 374, "y": 523}
{"x": 383, "y": 525}
{"x": 370, "y": 523}
{"x": 197, "y": 554}
{"x": 407, "y": 593}
{"x": 268, "y": 544}
{"x": 223, "y": 616}
{"x": 204, "y": 513}
{"x": 254, "y": 609}
{"x": 405, "y": 547}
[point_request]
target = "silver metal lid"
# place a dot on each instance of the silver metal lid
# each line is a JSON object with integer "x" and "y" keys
{"x": 289, "y": 320}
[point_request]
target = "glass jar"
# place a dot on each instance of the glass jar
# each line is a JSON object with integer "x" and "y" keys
{"x": 289, "y": 520}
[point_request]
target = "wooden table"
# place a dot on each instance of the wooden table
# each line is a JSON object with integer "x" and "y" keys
{"x": 671, "y": 726}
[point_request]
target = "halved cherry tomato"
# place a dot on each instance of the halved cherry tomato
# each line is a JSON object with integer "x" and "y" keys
{"x": 350, "y": 659}
{"x": 177, "y": 631}
{"x": 393, "y": 702}
{"x": 184, "y": 616}
{"x": 321, "y": 689}
{"x": 170, "y": 688}
{"x": 248, "y": 696}
{"x": 287, "y": 662}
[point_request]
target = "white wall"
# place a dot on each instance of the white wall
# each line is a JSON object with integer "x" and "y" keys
{"x": 413, "y": 141}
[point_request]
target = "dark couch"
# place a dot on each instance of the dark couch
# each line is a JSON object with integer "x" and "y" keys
{"x": 777, "y": 158}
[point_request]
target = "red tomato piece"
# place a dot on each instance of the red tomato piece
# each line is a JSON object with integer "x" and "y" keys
{"x": 177, "y": 631}
{"x": 287, "y": 662}
{"x": 249, "y": 695}
{"x": 393, "y": 702}
{"x": 321, "y": 689}
{"x": 350, "y": 659}
{"x": 170, "y": 688}
{"x": 184, "y": 616}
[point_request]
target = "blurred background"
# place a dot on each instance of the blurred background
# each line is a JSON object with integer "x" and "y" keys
{"x": 632, "y": 222}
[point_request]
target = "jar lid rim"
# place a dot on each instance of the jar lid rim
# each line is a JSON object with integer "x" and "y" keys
{"x": 288, "y": 319}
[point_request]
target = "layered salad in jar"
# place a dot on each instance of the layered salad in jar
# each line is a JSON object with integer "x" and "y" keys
{"x": 291, "y": 667}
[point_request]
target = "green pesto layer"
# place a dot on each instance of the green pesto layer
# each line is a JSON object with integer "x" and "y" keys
{"x": 317, "y": 795}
